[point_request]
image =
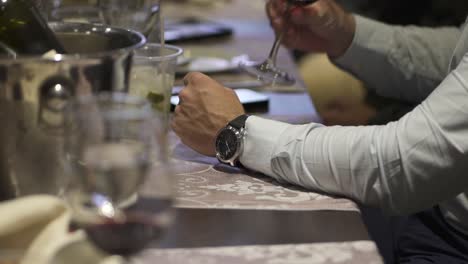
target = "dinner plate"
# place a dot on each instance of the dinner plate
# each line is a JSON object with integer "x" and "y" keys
{"x": 209, "y": 61}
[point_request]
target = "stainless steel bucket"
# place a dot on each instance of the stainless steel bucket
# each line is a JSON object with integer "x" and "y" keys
{"x": 34, "y": 92}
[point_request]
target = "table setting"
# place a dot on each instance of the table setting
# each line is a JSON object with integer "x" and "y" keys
{"x": 91, "y": 171}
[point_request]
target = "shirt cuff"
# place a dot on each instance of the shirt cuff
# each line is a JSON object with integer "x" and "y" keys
{"x": 260, "y": 140}
{"x": 371, "y": 37}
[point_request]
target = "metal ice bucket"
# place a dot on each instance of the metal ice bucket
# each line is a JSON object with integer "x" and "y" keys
{"x": 34, "y": 92}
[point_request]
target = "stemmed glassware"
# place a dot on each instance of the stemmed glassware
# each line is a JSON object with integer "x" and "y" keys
{"x": 267, "y": 71}
{"x": 120, "y": 192}
{"x": 140, "y": 15}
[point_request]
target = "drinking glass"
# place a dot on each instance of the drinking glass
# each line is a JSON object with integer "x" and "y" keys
{"x": 152, "y": 76}
{"x": 120, "y": 191}
{"x": 80, "y": 14}
{"x": 140, "y": 15}
{"x": 267, "y": 71}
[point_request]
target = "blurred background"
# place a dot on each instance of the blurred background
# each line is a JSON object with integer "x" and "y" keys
{"x": 339, "y": 98}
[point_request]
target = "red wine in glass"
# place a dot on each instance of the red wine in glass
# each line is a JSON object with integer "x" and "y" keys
{"x": 126, "y": 237}
{"x": 134, "y": 229}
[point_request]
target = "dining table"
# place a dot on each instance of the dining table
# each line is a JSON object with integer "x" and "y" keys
{"x": 227, "y": 214}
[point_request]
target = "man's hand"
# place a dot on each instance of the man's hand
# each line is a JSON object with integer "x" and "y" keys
{"x": 320, "y": 27}
{"x": 205, "y": 107}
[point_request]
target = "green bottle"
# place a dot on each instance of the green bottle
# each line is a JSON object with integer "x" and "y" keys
{"x": 24, "y": 30}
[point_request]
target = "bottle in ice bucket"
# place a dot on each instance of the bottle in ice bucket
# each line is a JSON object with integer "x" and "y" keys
{"x": 24, "y": 31}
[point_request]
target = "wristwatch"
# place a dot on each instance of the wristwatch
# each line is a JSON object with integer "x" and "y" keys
{"x": 229, "y": 141}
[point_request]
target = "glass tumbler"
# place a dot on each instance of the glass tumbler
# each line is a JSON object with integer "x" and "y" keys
{"x": 152, "y": 76}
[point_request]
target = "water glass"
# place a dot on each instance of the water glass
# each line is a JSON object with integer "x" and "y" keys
{"x": 152, "y": 76}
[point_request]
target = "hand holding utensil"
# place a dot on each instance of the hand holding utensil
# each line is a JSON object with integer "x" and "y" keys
{"x": 268, "y": 72}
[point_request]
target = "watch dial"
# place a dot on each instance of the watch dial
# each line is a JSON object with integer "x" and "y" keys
{"x": 226, "y": 144}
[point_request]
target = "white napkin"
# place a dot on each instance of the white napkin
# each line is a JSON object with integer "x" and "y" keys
{"x": 39, "y": 227}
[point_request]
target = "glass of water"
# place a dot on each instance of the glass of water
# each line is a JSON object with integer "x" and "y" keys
{"x": 152, "y": 76}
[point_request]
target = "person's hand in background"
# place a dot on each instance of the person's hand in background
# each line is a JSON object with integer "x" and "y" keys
{"x": 204, "y": 108}
{"x": 323, "y": 26}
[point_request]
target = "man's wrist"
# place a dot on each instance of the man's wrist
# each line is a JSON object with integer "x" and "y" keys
{"x": 229, "y": 141}
{"x": 262, "y": 136}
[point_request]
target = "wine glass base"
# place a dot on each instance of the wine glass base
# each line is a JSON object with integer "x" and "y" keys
{"x": 268, "y": 74}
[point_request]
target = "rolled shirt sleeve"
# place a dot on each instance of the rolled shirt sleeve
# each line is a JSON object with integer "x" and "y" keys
{"x": 404, "y": 167}
{"x": 406, "y": 63}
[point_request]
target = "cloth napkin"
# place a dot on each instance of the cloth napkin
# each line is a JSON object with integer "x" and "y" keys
{"x": 39, "y": 227}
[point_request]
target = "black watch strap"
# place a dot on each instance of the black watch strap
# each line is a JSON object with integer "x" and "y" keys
{"x": 239, "y": 122}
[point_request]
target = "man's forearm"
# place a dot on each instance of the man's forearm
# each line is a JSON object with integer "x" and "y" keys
{"x": 400, "y": 62}
{"x": 405, "y": 166}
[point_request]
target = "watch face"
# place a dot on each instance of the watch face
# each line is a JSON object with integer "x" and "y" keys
{"x": 226, "y": 144}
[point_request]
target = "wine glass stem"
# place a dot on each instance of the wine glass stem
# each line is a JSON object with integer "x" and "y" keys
{"x": 11, "y": 53}
{"x": 278, "y": 39}
{"x": 275, "y": 48}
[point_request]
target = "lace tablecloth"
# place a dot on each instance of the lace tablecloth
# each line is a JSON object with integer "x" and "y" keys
{"x": 348, "y": 252}
{"x": 216, "y": 186}
{"x": 201, "y": 182}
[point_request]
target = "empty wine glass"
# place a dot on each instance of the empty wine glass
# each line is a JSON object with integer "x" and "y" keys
{"x": 267, "y": 71}
{"x": 83, "y": 11}
{"x": 140, "y": 15}
{"x": 120, "y": 192}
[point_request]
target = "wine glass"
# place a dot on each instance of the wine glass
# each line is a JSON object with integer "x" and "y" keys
{"x": 120, "y": 192}
{"x": 82, "y": 11}
{"x": 140, "y": 15}
{"x": 267, "y": 71}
